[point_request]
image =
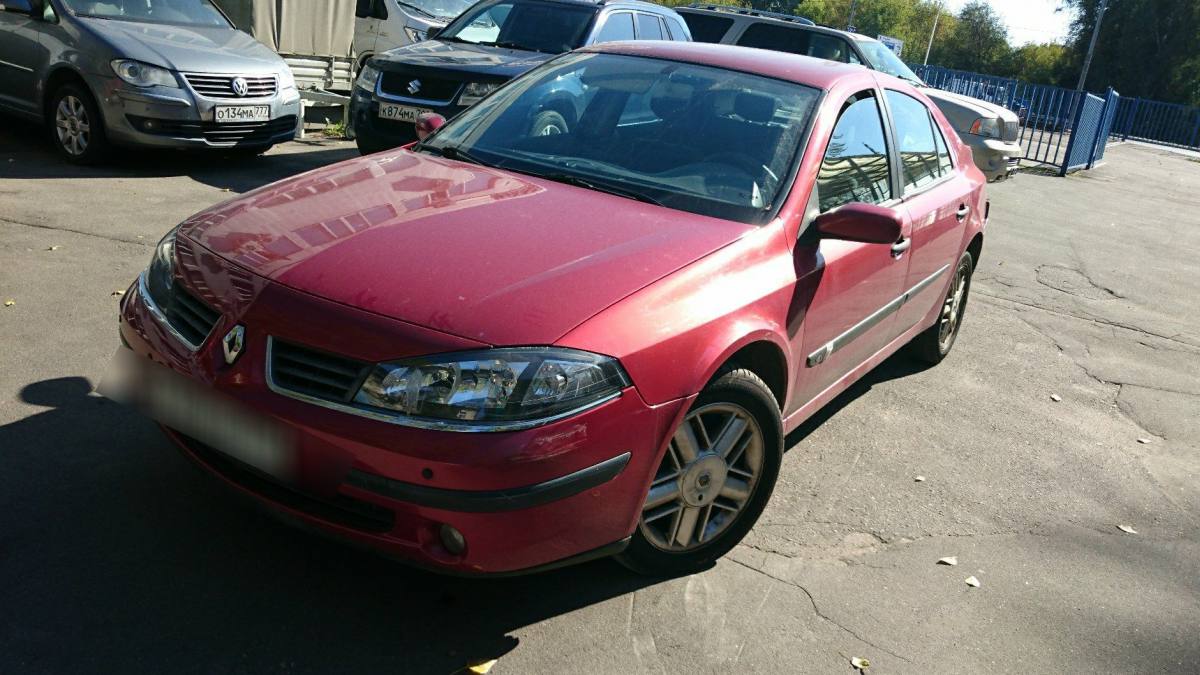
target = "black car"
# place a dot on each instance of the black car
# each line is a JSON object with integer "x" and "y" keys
{"x": 487, "y": 45}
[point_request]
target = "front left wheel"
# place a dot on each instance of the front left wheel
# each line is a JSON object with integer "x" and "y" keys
{"x": 714, "y": 480}
{"x": 77, "y": 130}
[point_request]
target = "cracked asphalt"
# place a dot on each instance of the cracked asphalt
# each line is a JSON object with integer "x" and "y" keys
{"x": 117, "y": 556}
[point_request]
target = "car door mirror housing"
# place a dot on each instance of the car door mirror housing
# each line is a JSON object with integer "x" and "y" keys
{"x": 866, "y": 223}
{"x": 427, "y": 123}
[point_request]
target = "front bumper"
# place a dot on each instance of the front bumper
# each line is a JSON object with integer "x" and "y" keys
{"x": 997, "y": 159}
{"x": 168, "y": 117}
{"x": 379, "y": 134}
{"x": 522, "y": 500}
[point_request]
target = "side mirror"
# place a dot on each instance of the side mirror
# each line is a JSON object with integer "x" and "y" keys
{"x": 427, "y": 123}
{"x": 860, "y": 222}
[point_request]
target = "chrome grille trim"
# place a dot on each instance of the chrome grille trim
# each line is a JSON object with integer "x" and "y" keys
{"x": 221, "y": 86}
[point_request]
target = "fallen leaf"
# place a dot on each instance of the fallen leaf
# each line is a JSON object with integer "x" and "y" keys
{"x": 1145, "y": 441}
{"x": 1055, "y": 397}
{"x": 948, "y": 560}
{"x": 1127, "y": 529}
{"x": 53, "y": 248}
{"x": 919, "y": 479}
{"x": 9, "y": 303}
{"x": 860, "y": 663}
{"x": 118, "y": 294}
{"x": 482, "y": 668}
{"x": 972, "y": 582}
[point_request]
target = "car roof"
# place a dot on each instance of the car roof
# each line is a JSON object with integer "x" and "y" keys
{"x": 779, "y": 65}
{"x": 636, "y": 4}
{"x": 776, "y": 18}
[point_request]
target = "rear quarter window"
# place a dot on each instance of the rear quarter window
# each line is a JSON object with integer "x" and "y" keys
{"x": 706, "y": 28}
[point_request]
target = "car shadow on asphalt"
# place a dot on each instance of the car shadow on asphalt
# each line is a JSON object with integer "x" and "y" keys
{"x": 26, "y": 154}
{"x": 118, "y": 555}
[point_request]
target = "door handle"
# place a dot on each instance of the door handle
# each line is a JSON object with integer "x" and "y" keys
{"x": 963, "y": 212}
{"x": 900, "y": 247}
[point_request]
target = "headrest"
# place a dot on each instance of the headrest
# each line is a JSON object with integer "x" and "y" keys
{"x": 754, "y": 107}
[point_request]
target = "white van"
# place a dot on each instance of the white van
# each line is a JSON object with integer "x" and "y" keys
{"x": 380, "y": 25}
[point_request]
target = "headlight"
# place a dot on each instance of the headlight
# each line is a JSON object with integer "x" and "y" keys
{"x": 367, "y": 77}
{"x": 492, "y": 390}
{"x": 988, "y": 127}
{"x": 415, "y": 35}
{"x": 475, "y": 91}
{"x": 160, "y": 274}
{"x": 143, "y": 74}
{"x": 286, "y": 79}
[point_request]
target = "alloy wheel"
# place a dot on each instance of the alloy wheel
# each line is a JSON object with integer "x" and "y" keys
{"x": 72, "y": 125}
{"x": 706, "y": 478}
{"x": 952, "y": 308}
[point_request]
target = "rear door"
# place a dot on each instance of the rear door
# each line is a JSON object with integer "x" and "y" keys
{"x": 21, "y": 57}
{"x": 368, "y": 15}
{"x": 936, "y": 196}
{"x": 853, "y": 284}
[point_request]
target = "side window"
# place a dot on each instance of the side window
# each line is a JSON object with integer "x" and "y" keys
{"x": 677, "y": 30}
{"x": 362, "y": 9}
{"x": 945, "y": 161}
{"x": 17, "y": 6}
{"x": 914, "y": 140}
{"x": 649, "y": 27}
{"x": 618, "y": 26}
{"x": 776, "y": 38}
{"x": 855, "y": 168}
{"x": 706, "y": 28}
{"x": 828, "y": 47}
{"x": 370, "y": 9}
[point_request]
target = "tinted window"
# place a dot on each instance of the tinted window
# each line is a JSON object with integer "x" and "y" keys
{"x": 19, "y": 6}
{"x": 694, "y": 138}
{"x": 618, "y": 26}
{"x": 914, "y": 140}
{"x": 649, "y": 27}
{"x": 796, "y": 41}
{"x": 707, "y": 28}
{"x": 531, "y": 26}
{"x": 362, "y": 8}
{"x": 855, "y": 168}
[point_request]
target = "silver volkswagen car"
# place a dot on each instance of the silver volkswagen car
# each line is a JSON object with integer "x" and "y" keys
{"x": 164, "y": 73}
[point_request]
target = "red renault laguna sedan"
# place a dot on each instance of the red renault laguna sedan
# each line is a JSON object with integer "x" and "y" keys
{"x": 496, "y": 352}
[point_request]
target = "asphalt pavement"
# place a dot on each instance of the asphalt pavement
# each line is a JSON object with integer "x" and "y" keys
{"x": 1068, "y": 408}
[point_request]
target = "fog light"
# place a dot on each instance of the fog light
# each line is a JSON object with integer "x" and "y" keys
{"x": 453, "y": 540}
{"x": 148, "y": 125}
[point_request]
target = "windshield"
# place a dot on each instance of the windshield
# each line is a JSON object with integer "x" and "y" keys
{"x": 883, "y": 59}
{"x": 440, "y": 9}
{"x": 695, "y": 138}
{"x": 533, "y": 26}
{"x": 176, "y": 12}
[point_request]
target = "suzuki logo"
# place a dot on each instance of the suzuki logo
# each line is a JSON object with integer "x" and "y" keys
{"x": 414, "y": 86}
{"x": 240, "y": 87}
{"x": 233, "y": 343}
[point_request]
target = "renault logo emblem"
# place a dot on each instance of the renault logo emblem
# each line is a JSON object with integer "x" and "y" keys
{"x": 233, "y": 343}
{"x": 414, "y": 86}
{"x": 240, "y": 87}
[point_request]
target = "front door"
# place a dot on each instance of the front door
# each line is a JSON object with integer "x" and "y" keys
{"x": 936, "y": 198}
{"x": 21, "y": 55}
{"x": 853, "y": 286}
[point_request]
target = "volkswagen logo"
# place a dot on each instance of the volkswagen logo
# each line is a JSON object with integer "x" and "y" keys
{"x": 240, "y": 87}
{"x": 233, "y": 342}
{"x": 414, "y": 86}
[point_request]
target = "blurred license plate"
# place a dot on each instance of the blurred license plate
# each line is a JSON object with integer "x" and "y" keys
{"x": 243, "y": 113}
{"x": 196, "y": 411}
{"x": 400, "y": 113}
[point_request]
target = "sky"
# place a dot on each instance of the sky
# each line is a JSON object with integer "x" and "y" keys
{"x": 1028, "y": 20}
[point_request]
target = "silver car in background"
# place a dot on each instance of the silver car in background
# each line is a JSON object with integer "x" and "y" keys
{"x": 160, "y": 73}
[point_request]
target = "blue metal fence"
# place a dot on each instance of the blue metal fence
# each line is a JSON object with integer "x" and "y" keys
{"x": 1088, "y": 119}
{"x": 1157, "y": 122}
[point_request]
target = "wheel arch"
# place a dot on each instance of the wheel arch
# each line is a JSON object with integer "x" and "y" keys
{"x": 562, "y": 105}
{"x": 975, "y": 248}
{"x": 762, "y": 354}
{"x": 57, "y": 77}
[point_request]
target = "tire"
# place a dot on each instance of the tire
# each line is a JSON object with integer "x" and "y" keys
{"x": 548, "y": 123}
{"x": 76, "y": 128}
{"x": 366, "y": 147}
{"x": 935, "y": 343}
{"x": 756, "y": 452}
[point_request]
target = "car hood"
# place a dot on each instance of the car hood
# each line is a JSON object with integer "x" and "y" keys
{"x": 193, "y": 49}
{"x": 461, "y": 57}
{"x": 498, "y": 257}
{"x": 972, "y": 106}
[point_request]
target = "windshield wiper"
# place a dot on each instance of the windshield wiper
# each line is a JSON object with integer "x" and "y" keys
{"x": 514, "y": 45}
{"x": 454, "y": 152}
{"x": 454, "y": 38}
{"x": 578, "y": 181}
{"x": 419, "y": 9}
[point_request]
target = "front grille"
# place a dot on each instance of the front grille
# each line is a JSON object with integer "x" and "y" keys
{"x": 433, "y": 89}
{"x": 221, "y": 86}
{"x": 189, "y": 317}
{"x": 233, "y": 134}
{"x": 315, "y": 373}
{"x": 1012, "y": 130}
{"x": 337, "y": 508}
